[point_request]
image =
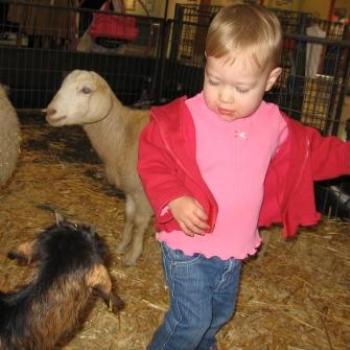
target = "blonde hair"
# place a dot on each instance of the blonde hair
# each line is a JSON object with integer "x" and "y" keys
{"x": 246, "y": 27}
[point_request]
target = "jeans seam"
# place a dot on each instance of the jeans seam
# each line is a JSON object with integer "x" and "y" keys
{"x": 173, "y": 329}
{"x": 188, "y": 262}
{"x": 232, "y": 265}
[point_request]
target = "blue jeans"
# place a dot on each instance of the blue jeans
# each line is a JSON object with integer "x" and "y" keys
{"x": 203, "y": 296}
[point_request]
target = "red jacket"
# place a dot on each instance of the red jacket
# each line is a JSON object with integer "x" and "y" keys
{"x": 168, "y": 169}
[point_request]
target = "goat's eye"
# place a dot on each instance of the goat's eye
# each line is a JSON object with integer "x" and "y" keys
{"x": 86, "y": 90}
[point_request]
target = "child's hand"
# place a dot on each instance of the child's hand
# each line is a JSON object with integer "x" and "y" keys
{"x": 190, "y": 215}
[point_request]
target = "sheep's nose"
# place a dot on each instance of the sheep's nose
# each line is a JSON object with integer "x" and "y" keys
{"x": 50, "y": 111}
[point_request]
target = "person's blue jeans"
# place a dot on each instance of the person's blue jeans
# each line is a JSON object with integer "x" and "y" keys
{"x": 203, "y": 296}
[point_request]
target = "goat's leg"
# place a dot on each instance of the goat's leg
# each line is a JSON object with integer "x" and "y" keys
{"x": 25, "y": 253}
{"x": 142, "y": 218}
{"x": 128, "y": 225}
{"x": 99, "y": 279}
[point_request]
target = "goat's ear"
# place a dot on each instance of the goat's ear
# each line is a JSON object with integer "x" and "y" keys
{"x": 25, "y": 253}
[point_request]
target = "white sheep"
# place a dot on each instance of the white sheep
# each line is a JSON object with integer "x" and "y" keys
{"x": 10, "y": 137}
{"x": 86, "y": 99}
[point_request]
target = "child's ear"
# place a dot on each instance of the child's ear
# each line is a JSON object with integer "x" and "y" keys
{"x": 273, "y": 76}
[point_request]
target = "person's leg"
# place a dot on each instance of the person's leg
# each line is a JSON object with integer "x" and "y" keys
{"x": 223, "y": 302}
{"x": 190, "y": 315}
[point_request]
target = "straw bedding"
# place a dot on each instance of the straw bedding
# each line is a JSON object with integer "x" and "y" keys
{"x": 294, "y": 296}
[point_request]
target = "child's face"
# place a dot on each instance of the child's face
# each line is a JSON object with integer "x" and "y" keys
{"x": 235, "y": 90}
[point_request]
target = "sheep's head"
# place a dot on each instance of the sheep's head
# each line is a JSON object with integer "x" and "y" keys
{"x": 84, "y": 97}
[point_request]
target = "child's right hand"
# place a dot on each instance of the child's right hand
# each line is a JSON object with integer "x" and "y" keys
{"x": 190, "y": 215}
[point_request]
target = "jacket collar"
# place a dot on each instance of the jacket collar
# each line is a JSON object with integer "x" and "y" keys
{"x": 177, "y": 129}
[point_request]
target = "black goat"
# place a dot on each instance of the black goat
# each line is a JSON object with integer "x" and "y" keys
{"x": 70, "y": 266}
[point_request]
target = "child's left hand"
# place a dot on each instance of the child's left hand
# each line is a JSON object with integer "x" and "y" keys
{"x": 190, "y": 215}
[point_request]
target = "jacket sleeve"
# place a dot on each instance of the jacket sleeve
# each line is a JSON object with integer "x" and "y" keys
{"x": 330, "y": 156}
{"x": 158, "y": 172}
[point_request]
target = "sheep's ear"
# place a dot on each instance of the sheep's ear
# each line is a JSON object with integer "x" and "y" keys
{"x": 96, "y": 78}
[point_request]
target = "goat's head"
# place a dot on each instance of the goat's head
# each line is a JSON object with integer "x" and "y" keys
{"x": 84, "y": 97}
{"x": 66, "y": 243}
{"x": 72, "y": 253}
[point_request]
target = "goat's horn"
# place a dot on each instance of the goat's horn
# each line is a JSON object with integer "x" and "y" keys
{"x": 59, "y": 218}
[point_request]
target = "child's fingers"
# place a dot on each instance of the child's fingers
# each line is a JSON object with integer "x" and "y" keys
{"x": 200, "y": 224}
{"x": 195, "y": 226}
{"x": 200, "y": 219}
{"x": 186, "y": 230}
{"x": 200, "y": 212}
{"x": 201, "y": 215}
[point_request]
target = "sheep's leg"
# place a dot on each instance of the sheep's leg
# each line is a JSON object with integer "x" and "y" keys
{"x": 137, "y": 244}
{"x": 128, "y": 225}
{"x": 141, "y": 221}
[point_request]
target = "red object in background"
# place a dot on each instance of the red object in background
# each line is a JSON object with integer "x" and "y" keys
{"x": 289, "y": 44}
{"x": 113, "y": 26}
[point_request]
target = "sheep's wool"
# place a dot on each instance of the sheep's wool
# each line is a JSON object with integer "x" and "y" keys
{"x": 10, "y": 138}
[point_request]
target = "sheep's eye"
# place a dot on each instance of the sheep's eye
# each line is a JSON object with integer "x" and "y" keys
{"x": 86, "y": 90}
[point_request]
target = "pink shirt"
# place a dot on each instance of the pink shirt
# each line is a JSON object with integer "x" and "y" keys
{"x": 233, "y": 158}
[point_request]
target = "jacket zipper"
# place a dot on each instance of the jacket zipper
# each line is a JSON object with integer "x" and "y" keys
{"x": 178, "y": 162}
{"x": 306, "y": 158}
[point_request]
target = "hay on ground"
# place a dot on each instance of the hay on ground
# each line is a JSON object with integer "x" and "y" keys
{"x": 295, "y": 296}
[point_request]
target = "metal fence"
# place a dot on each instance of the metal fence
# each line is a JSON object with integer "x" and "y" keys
{"x": 315, "y": 62}
{"x": 166, "y": 60}
{"x": 312, "y": 87}
{"x": 40, "y": 44}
